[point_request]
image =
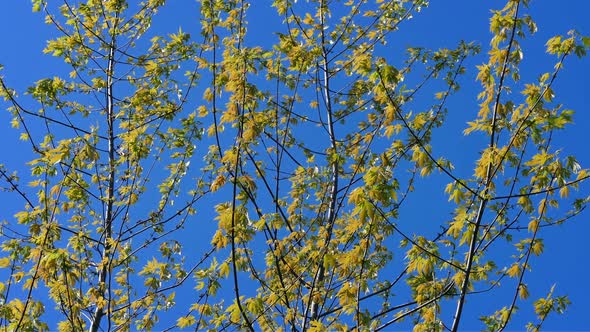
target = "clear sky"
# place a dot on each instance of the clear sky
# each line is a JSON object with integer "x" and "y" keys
{"x": 443, "y": 24}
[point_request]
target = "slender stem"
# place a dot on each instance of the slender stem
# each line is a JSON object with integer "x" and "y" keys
{"x": 236, "y": 181}
{"x": 468, "y": 268}
{"x": 319, "y": 276}
{"x": 110, "y": 199}
{"x": 488, "y": 179}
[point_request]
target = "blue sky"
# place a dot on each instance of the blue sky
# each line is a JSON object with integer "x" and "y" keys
{"x": 443, "y": 24}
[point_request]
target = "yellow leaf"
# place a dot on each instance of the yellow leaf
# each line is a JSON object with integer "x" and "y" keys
{"x": 4, "y": 262}
{"x": 308, "y": 19}
{"x": 533, "y": 225}
{"x": 425, "y": 171}
{"x": 526, "y": 203}
{"x": 539, "y": 159}
{"x": 541, "y": 209}
{"x": 456, "y": 228}
{"x": 208, "y": 95}
{"x": 218, "y": 183}
{"x": 389, "y": 130}
{"x": 186, "y": 321}
{"x": 219, "y": 240}
{"x": 523, "y": 292}
{"x": 202, "y": 111}
{"x": 564, "y": 192}
{"x": 456, "y": 196}
{"x": 514, "y": 270}
{"x": 449, "y": 188}
{"x": 35, "y": 183}
{"x": 132, "y": 198}
{"x": 537, "y": 247}
{"x": 224, "y": 269}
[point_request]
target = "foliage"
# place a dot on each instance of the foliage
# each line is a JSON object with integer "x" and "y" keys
{"x": 298, "y": 154}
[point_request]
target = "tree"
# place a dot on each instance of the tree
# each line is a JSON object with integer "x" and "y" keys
{"x": 301, "y": 154}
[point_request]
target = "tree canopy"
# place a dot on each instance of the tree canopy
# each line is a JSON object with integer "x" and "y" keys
{"x": 220, "y": 179}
